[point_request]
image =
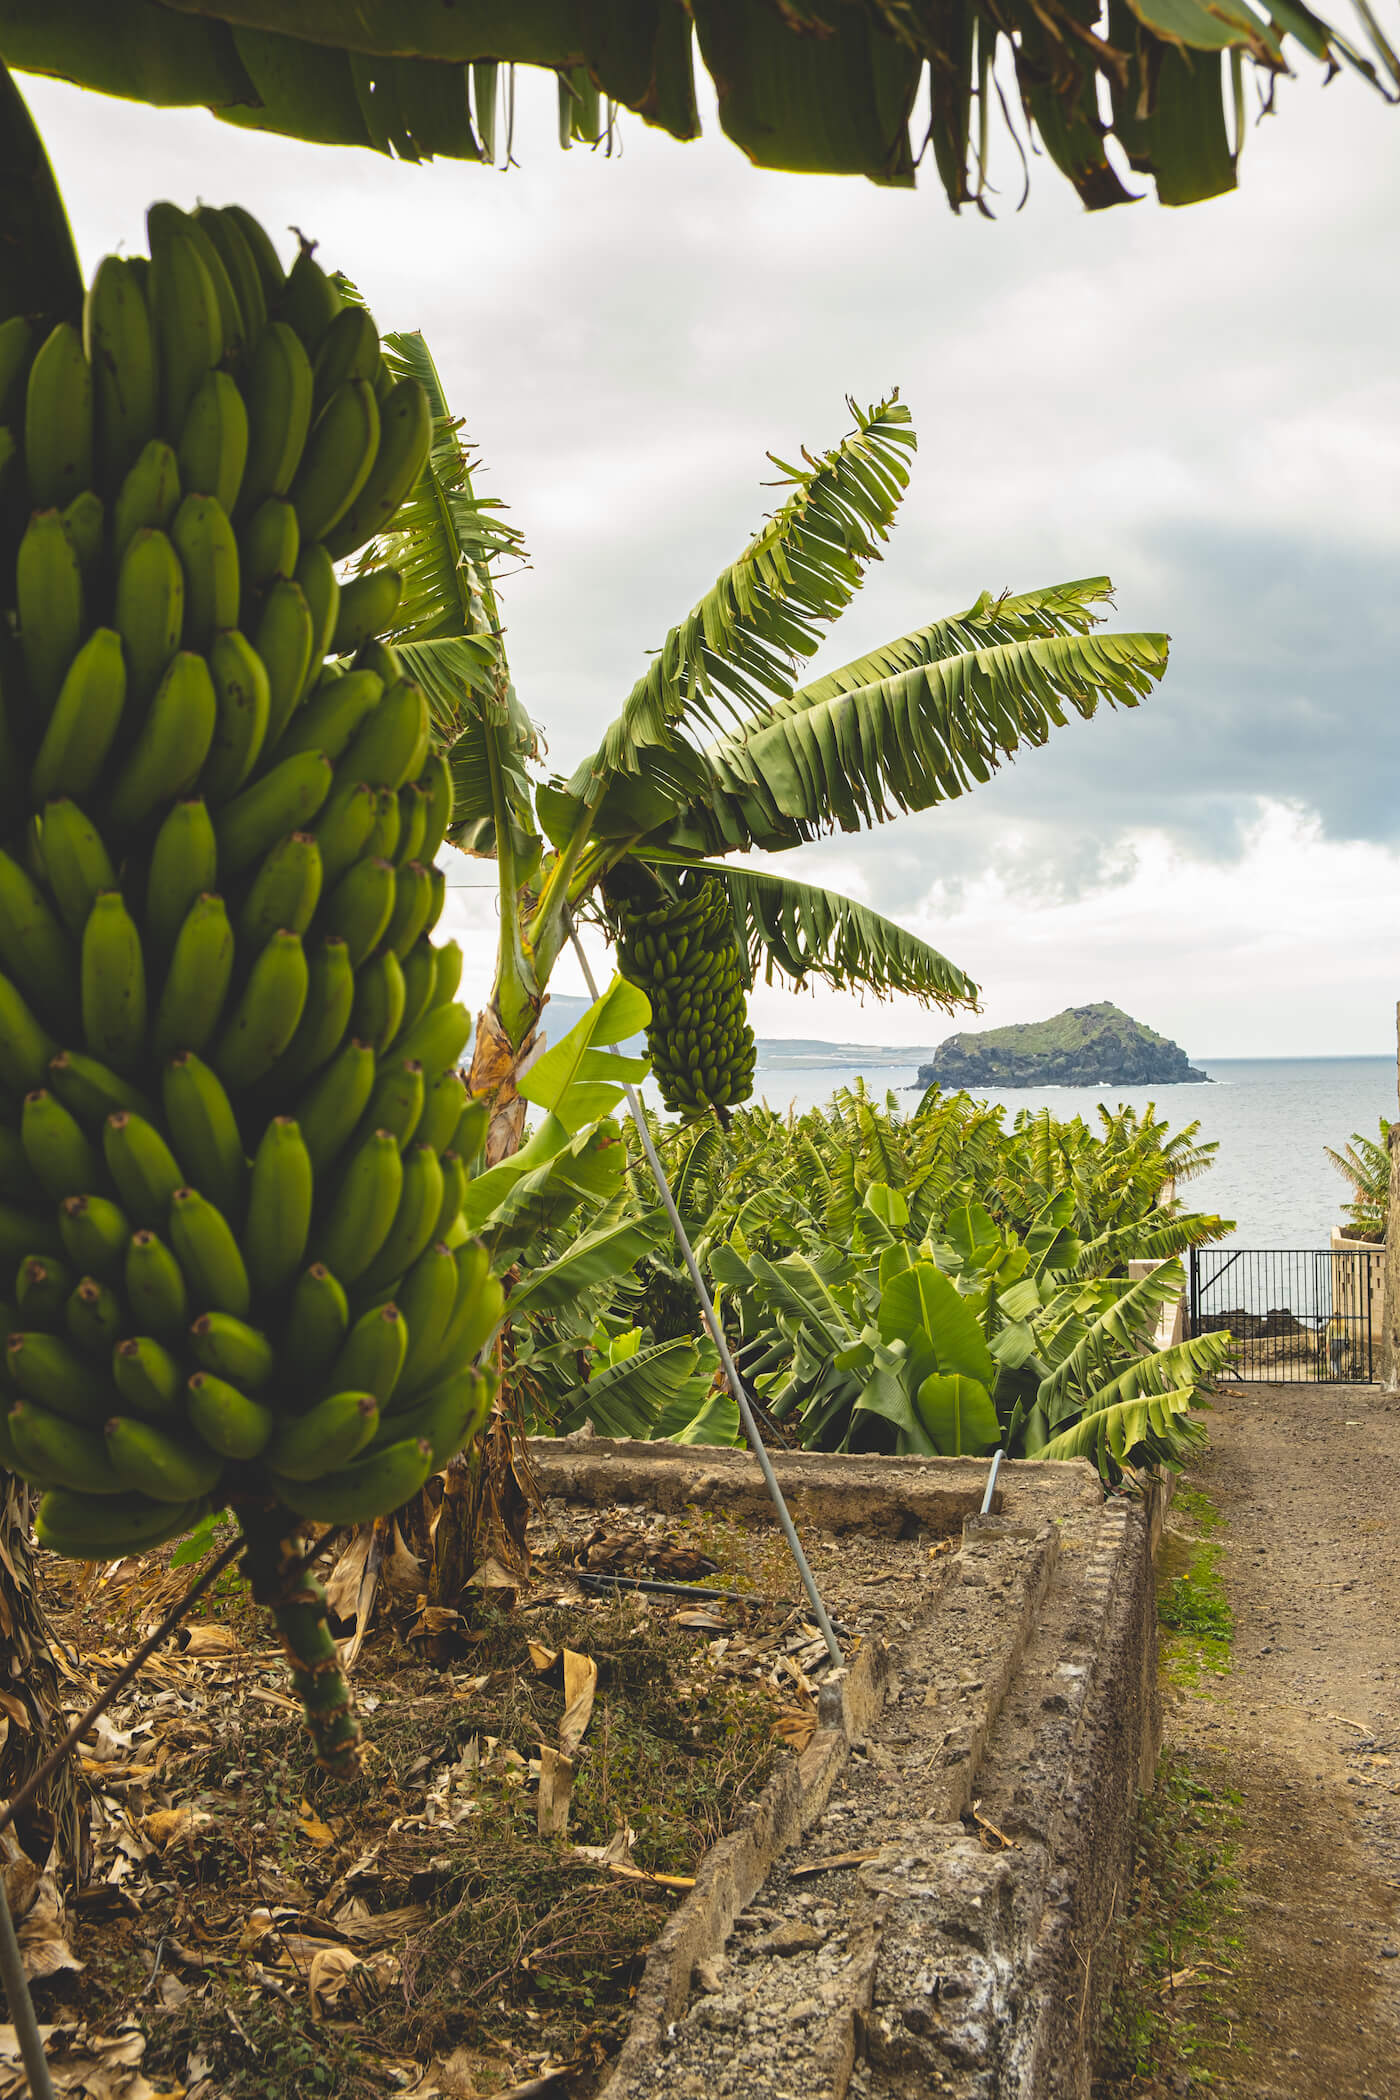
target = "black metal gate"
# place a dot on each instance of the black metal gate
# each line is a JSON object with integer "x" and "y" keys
{"x": 1298, "y": 1314}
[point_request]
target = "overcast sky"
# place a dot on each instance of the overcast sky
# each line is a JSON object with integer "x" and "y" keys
{"x": 1204, "y": 404}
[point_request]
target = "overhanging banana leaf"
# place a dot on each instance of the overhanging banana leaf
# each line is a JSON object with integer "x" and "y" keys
{"x": 1119, "y": 1430}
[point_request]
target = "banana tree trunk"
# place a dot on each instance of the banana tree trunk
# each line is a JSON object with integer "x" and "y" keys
{"x": 31, "y": 1715}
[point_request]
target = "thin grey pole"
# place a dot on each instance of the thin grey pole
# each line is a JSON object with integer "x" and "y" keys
{"x": 26, "y": 2026}
{"x": 994, "y": 1469}
{"x": 732, "y": 1378}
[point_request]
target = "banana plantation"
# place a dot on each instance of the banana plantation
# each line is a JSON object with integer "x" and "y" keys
{"x": 306, "y": 1241}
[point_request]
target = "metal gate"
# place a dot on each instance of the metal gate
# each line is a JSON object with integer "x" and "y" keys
{"x": 1299, "y": 1315}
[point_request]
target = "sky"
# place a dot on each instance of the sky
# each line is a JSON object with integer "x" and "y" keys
{"x": 1203, "y": 404}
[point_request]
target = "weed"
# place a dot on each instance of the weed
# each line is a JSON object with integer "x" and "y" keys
{"x": 1195, "y": 1612}
{"x": 1198, "y": 1509}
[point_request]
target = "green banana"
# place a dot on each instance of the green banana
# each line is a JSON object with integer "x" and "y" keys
{"x": 426, "y": 1298}
{"x": 329, "y": 1112}
{"x": 443, "y": 1104}
{"x": 16, "y": 1177}
{"x": 204, "y": 1245}
{"x": 265, "y": 256}
{"x": 33, "y": 945}
{"x": 47, "y": 1369}
{"x": 278, "y": 391}
{"x": 308, "y": 301}
{"x": 367, "y": 606}
{"x": 284, "y": 799}
{"x": 23, "y": 1232}
{"x": 345, "y": 824}
{"x": 197, "y": 981}
{"x": 184, "y": 865}
{"x": 93, "y": 1091}
{"x": 77, "y": 864}
{"x": 159, "y": 1462}
{"x": 265, "y": 1016}
{"x": 213, "y": 448}
{"x": 58, "y": 413}
{"x": 49, "y": 599}
{"x": 379, "y": 1002}
{"x": 359, "y": 1217}
{"x": 25, "y": 1046}
{"x": 449, "y": 973}
{"x": 449, "y": 1416}
{"x": 438, "y": 1040}
{"x": 227, "y": 1419}
{"x": 397, "y": 1101}
{"x": 167, "y": 221}
{"x": 357, "y": 1493}
{"x": 83, "y": 521}
{"x": 243, "y": 700}
{"x": 413, "y": 821}
{"x": 330, "y": 994}
{"x": 330, "y": 1434}
{"x": 148, "y": 497}
{"x": 338, "y": 457}
{"x": 84, "y": 721}
{"x": 372, "y": 1355}
{"x": 61, "y": 1453}
{"x": 415, "y": 1224}
{"x": 147, "y": 1377}
{"x": 95, "y": 1234}
{"x": 476, "y": 1313}
{"x": 285, "y": 891}
{"x": 383, "y": 841}
{"x": 42, "y": 1288}
{"x": 142, "y": 1166}
{"x": 61, "y": 1159}
{"x": 317, "y": 1321}
{"x": 329, "y": 718}
{"x": 121, "y": 351}
{"x": 439, "y": 899}
{"x": 349, "y": 349}
{"x": 184, "y": 305}
{"x": 285, "y": 638}
{"x": 113, "y": 988}
{"x": 95, "y": 1317}
{"x": 172, "y": 745}
{"x": 86, "y": 1527}
{"x": 378, "y": 656}
{"x": 202, "y": 1124}
{"x": 454, "y": 1194}
{"x": 204, "y": 540}
{"x": 16, "y": 355}
{"x": 360, "y": 906}
{"x": 149, "y": 610}
{"x": 268, "y": 547}
{"x": 404, "y": 438}
{"x": 280, "y": 1194}
{"x": 235, "y": 253}
{"x": 155, "y": 1285}
{"x": 412, "y": 903}
{"x": 393, "y": 743}
{"x": 320, "y": 587}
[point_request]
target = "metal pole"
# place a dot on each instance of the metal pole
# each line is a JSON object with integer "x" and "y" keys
{"x": 26, "y": 2025}
{"x": 995, "y": 1468}
{"x": 732, "y": 1378}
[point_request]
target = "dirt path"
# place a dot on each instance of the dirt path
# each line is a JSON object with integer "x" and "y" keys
{"x": 1306, "y": 1728}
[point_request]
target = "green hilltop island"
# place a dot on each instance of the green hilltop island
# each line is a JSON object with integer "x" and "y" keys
{"x": 1084, "y": 1046}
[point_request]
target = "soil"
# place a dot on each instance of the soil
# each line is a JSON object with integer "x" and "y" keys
{"x": 1304, "y": 1726}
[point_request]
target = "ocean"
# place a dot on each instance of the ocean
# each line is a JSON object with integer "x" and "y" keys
{"x": 1270, "y": 1116}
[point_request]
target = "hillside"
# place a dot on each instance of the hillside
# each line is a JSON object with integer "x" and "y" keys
{"x": 1083, "y": 1046}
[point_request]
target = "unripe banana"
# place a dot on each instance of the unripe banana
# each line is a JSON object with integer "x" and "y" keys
{"x": 83, "y": 521}
{"x": 213, "y": 449}
{"x": 24, "y": 1232}
{"x": 142, "y": 1166}
{"x": 155, "y": 1286}
{"x": 159, "y": 1462}
{"x": 330, "y": 994}
{"x": 415, "y": 1225}
{"x": 379, "y": 1002}
{"x": 405, "y": 438}
{"x": 383, "y": 841}
{"x": 449, "y": 973}
{"x": 330, "y": 717}
{"x": 203, "y": 538}
{"x": 16, "y": 355}
{"x": 59, "y": 1453}
{"x": 449, "y": 1416}
{"x": 148, "y": 498}
{"x": 184, "y": 865}
{"x": 268, "y": 547}
{"x": 59, "y": 1154}
{"x": 397, "y": 1101}
{"x": 83, "y": 722}
{"x": 372, "y": 1355}
{"x": 121, "y": 350}
{"x": 196, "y": 984}
{"x": 338, "y": 457}
{"x": 283, "y": 800}
{"x": 285, "y": 637}
{"x": 149, "y": 611}
{"x": 228, "y": 1420}
{"x": 349, "y": 349}
{"x": 25, "y": 1046}
{"x": 33, "y": 945}
{"x": 393, "y": 743}
{"x": 285, "y": 892}
{"x": 367, "y": 606}
{"x": 95, "y": 1317}
{"x": 361, "y": 1212}
{"x": 265, "y": 1016}
{"x": 49, "y": 599}
{"x": 235, "y": 253}
{"x": 443, "y": 1103}
{"x": 412, "y": 904}
{"x": 86, "y": 1527}
{"x": 378, "y": 656}
{"x": 279, "y": 390}
{"x": 265, "y": 256}
{"x": 329, "y": 1112}
{"x": 201, "y": 1121}
{"x": 45, "y": 1368}
{"x": 173, "y": 743}
{"x": 357, "y": 1493}
{"x": 308, "y": 301}
{"x": 58, "y": 420}
{"x": 454, "y": 1194}
{"x": 280, "y": 1196}
{"x": 42, "y": 1288}
{"x": 320, "y": 587}
{"x": 92, "y": 1091}
{"x": 165, "y": 221}
{"x": 17, "y": 1183}
{"x": 426, "y": 1298}
{"x": 243, "y": 700}
{"x": 95, "y": 1235}
{"x": 344, "y": 829}
{"x": 147, "y": 1377}
{"x": 205, "y": 1247}
{"x": 439, "y": 899}
{"x": 113, "y": 989}
{"x": 317, "y": 1322}
{"x": 359, "y": 907}
{"x": 327, "y": 1436}
{"x": 413, "y": 821}
{"x": 438, "y": 1040}
{"x": 184, "y": 305}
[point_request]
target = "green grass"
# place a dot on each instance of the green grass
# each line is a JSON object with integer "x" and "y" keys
{"x": 1198, "y": 1510}
{"x": 1193, "y": 1609}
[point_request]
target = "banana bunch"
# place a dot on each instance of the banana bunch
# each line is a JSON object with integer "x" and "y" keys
{"x": 684, "y": 954}
{"x": 233, "y": 1137}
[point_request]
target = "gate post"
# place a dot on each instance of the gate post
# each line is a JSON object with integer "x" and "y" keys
{"x": 1388, "y": 1368}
